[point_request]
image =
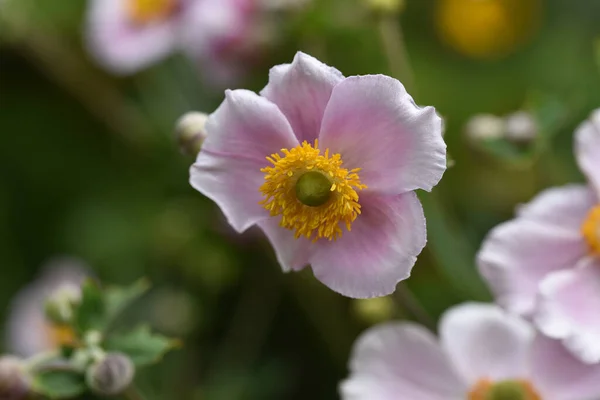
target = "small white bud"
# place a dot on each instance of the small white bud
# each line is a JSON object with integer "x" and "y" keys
{"x": 190, "y": 132}
{"x": 60, "y": 305}
{"x": 484, "y": 127}
{"x": 386, "y": 6}
{"x": 111, "y": 375}
{"x": 14, "y": 380}
{"x": 521, "y": 127}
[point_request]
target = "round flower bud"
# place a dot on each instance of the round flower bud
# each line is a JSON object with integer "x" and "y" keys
{"x": 190, "y": 132}
{"x": 521, "y": 127}
{"x": 484, "y": 127}
{"x": 14, "y": 381}
{"x": 111, "y": 375}
{"x": 386, "y": 6}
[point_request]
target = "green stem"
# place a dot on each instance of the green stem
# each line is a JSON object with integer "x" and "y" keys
{"x": 133, "y": 393}
{"x": 407, "y": 300}
{"x": 393, "y": 44}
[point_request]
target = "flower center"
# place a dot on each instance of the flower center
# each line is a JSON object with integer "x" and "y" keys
{"x": 144, "y": 12}
{"x": 591, "y": 230}
{"x": 60, "y": 335}
{"x": 503, "y": 390}
{"x": 311, "y": 191}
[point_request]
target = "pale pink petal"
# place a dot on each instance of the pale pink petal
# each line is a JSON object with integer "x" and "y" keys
{"x": 122, "y": 47}
{"x": 400, "y": 361}
{"x": 569, "y": 309}
{"x": 244, "y": 130}
{"x": 545, "y": 237}
{"x": 483, "y": 341}
{"x": 302, "y": 90}
{"x": 587, "y": 149}
{"x": 292, "y": 253}
{"x": 557, "y": 375}
{"x": 375, "y": 125}
{"x": 380, "y": 250}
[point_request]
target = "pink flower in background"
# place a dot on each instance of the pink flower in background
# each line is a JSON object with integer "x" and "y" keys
{"x": 482, "y": 353}
{"x": 28, "y": 331}
{"x": 224, "y": 36}
{"x": 326, "y": 166}
{"x": 546, "y": 262}
{"x": 126, "y": 36}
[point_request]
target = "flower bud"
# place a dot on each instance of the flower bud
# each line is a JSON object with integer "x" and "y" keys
{"x": 60, "y": 305}
{"x": 111, "y": 375}
{"x": 483, "y": 127}
{"x": 14, "y": 381}
{"x": 386, "y": 6}
{"x": 521, "y": 127}
{"x": 190, "y": 132}
{"x": 375, "y": 310}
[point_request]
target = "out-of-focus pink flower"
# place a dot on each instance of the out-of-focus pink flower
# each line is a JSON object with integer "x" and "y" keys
{"x": 546, "y": 262}
{"x": 28, "y": 330}
{"x": 128, "y": 35}
{"x": 482, "y": 353}
{"x": 327, "y": 167}
{"x": 224, "y": 36}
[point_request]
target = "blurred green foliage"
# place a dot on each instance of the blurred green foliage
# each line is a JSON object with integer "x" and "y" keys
{"x": 89, "y": 167}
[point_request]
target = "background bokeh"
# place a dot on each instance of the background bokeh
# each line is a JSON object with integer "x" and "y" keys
{"x": 89, "y": 167}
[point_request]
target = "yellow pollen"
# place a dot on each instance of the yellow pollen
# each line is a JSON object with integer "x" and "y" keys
{"x": 485, "y": 390}
{"x": 313, "y": 222}
{"x": 144, "y": 12}
{"x": 591, "y": 230}
{"x": 60, "y": 335}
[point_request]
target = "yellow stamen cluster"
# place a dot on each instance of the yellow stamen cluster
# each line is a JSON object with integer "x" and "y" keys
{"x": 509, "y": 390}
{"x": 313, "y": 222}
{"x": 61, "y": 335}
{"x": 591, "y": 230}
{"x": 143, "y": 12}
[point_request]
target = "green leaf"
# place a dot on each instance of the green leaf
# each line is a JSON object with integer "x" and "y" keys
{"x": 119, "y": 298}
{"x": 59, "y": 384}
{"x": 141, "y": 345}
{"x": 91, "y": 313}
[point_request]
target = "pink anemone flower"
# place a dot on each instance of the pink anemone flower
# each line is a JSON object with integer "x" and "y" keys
{"x": 545, "y": 263}
{"x": 483, "y": 353}
{"x": 126, "y": 36}
{"x": 327, "y": 167}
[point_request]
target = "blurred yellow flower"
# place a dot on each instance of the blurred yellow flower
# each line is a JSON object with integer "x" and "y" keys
{"x": 486, "y": 29}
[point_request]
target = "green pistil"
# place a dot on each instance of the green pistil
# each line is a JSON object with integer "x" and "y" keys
{"x": 507, "y": 390}
{"x": 313, "y": 189}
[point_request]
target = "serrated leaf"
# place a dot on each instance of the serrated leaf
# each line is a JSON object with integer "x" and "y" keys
{"x": 119, "y": 298}
{"x": 141, "y": 345}
{"x": 59, "y": 384}
{"x": 90, "y": 315}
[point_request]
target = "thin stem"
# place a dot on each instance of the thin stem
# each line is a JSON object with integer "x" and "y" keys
{"x": 133, "y": 393}
{"x": 407, "y": 300}
{"x": 392, "y": 40}
{"x": 40, "y": 359}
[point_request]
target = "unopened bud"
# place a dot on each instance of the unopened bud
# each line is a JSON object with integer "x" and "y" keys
{"x": 14, "y": 380}
{"x": 521, "y": 127}
{"x": 386, "y": 6}
{"x": 484, "y": 127}
{"x": 375, "y": 310}
{"x": 191, "y": 132}
{"x": 111, "y": 375}
{"x": 60, "y": 305}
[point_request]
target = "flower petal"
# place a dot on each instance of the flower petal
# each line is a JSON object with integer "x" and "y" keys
{"x": 302, "y": 90}
{"x": 242, "y": 132}
{"x": 484, "y": 341}
{"x": 569, "y": 309}
{"x": 545, "y": 237}
{"x": 380, "y": 250}
{"x": 377, "y": 127}
{"x": 400, "y": 361}
{"x": 292, "y": 253}
{"x": 557, "y": 375}
{"x": 587, "y": 149}
{"x": 121, "y": 47}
